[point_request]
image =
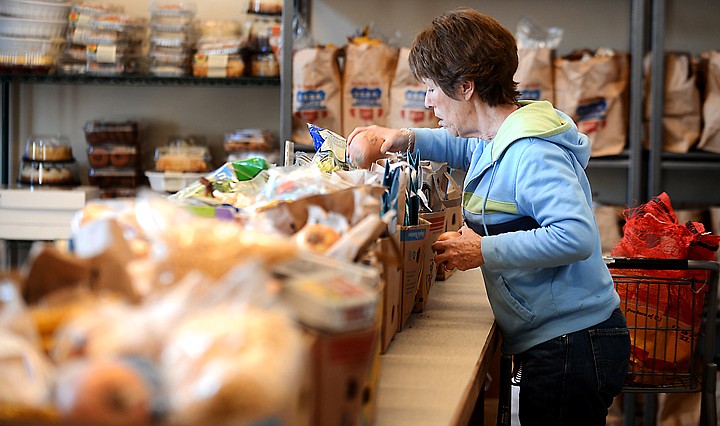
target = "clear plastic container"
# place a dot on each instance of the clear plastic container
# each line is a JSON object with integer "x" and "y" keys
{"x": 264, "y": 65}
{"x": 182, "y": 159}
{"x": 114, "y": 178}
{"x": 48, "y": 148}
{"x": 18, "y": 55}
{"x": 48, "y": 173}
{"x": 119, "y": 156}
{"x": 98, "y": 132}
{"x": 119, "y": 22}
{"x": 171, "y": 181}
{"x": 266, "y": 7}
{"x": 217, "y": 65}
{"x": 32, "y": 9}
{"x": 32, "y": 28}
{"x": 248, "y": 140}
{"x": 171, "y": 8}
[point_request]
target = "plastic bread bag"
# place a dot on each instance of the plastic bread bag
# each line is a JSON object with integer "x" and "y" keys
{"x": 330, "y": 150}
{"x": 236, "y": 358}
{"x": 235, "y": 183}
{"x": 184, "y": 242}
{"x": 26, "y": 374}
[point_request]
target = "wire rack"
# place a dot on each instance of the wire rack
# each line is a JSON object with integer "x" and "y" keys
{"x": 670, "y": 306}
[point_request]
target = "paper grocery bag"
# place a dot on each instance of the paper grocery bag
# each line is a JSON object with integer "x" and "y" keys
{"x": 681, "y": 109}
{"x": 535, "y": 74}
{"x": 710, "y": 137}
{"x": 407, "y": 98}
{"x": 592, "y": 90}
{"x": 368, "y": 73}
{"x": 317, "y": 96}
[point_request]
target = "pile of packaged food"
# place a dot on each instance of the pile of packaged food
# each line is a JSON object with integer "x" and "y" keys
{"x": 225, "y": 302}
{"x": 31, "y": 34}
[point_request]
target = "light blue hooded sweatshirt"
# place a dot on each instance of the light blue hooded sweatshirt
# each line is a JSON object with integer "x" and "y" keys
{"x": 527, "y": 194}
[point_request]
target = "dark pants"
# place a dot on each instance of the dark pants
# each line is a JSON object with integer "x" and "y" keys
{"x": 572, "y": 379}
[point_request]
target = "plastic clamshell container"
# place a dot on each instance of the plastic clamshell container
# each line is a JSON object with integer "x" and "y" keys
{"x": 247, "y": 140}
{"x": 182, "y": 159}
{"x": 48, "y": 148}
{"x": 98, "y": 132}
{"x": 171, "y": 8}
{"x": 118, "y": 22}
{"x": 113, "y": 178}
{"x": 120, "y": 156}
{"x": 32, "y": 9}
{"x": 32, "y": 28}
{"x": 331, "y": 301}
{"x": 27, "y": 55}
{"x": 171, "y": 181}
{"x": 51, "y": 173}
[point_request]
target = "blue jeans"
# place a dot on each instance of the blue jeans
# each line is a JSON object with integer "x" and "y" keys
{"x": 572, "y": 379}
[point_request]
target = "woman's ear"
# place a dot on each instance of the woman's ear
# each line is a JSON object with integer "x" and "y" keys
{"x": 467, "y": 88}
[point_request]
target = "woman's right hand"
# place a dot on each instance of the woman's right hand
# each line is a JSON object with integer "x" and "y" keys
{"x": 394, "y": 140}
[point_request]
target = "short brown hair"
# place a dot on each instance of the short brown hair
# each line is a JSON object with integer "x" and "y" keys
{"x": 465, "y": 44}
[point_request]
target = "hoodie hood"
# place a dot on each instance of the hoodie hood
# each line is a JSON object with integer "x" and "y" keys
{"x": 539, "y": 119}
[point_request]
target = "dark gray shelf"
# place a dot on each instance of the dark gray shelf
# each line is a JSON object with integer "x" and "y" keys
{"x": 139, "y": 80}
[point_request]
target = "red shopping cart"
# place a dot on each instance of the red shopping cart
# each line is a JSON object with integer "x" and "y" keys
{"x": 670, "y": 306}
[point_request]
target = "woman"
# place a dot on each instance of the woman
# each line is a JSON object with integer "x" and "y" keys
{"x": 529, "y": 222}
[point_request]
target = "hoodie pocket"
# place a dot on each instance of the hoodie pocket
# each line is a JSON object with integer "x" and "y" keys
{"x": 516, "y": 302}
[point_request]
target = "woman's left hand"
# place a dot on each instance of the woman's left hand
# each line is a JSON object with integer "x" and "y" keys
{"x": 463, "y": 253}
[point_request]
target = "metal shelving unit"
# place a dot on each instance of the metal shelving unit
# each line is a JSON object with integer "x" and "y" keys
{"x": 284, "y": 82}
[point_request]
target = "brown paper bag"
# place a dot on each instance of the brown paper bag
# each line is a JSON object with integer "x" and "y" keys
{"x": 681, "y": 111}
{"x": 369, "y": 70}
{"x": 593, "y": 91}
{"x": 407, "y": 98}
{"x": 535, "y": 74}
{"x": 710, "y": 137}
{"x": 316, "y": 91}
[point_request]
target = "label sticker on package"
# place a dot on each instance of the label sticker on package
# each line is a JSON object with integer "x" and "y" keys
{"x": 106, "y": 54}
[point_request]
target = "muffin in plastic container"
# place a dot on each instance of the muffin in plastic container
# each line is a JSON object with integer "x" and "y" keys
{"x": 171, "y": 8}
{"x": 119, "y": 156}
{"x": 194, "y": 159}
{"x": 50, "y": 173}
{"x": 48, "y": 148}
{"x": 98, "y": 132}
{"x": 34, "y": 9}
{"x": 32, "y": 28}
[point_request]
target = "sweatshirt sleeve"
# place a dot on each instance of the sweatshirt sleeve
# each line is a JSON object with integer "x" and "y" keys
{"x": 550, "y": 191}
{"x": 439, "y": 145}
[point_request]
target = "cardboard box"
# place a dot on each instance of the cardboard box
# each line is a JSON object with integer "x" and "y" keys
{"x": 414, "y": 242}
{"x": 437, "y": 227}
{"x": 389, "y": 256}
{"x": 453, "y": 222}
{"x": 341, "y": 366}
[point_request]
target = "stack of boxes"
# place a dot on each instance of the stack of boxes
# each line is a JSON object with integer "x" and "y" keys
{"x": 171, "y": 39}
{"x": 113, "y": 157}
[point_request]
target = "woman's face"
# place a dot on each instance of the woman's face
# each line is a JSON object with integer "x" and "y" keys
{"x": 453, "y": 114}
